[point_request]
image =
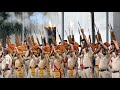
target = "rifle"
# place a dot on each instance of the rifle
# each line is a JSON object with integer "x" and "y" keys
{"x": 84, "y": 36}
{"x": 69, "y": 30}
{"x": 69, "y": 37}
{"x": 80, "y": 36}
{"x": 66, "y": 33}
{"x": 72, "y": 39}
{"x": 32, "y": 39}
{"x": 37, "y": 38}
{"x": 112, "y": 34}
{"x": 41, "y": 37}
{"x": 89, "y": 35}
{"x": 44, "y": 39}
{"x": 99, "y": 36}
{"x": 59, "y": 36}
{"x": 79, "y": 32}
{"x": 113, "y": 38}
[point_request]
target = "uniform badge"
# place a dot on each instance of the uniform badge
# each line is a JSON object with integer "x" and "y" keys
{"x": 57, "y": 74}
{"x": 33, "y": 71}
{"x": 41, "y": 73}
{"x": 20, "y": 72}
{"x": 71, "y": 73}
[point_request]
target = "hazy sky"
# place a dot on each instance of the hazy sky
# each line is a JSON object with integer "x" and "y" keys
{"x": 70, "y": 20}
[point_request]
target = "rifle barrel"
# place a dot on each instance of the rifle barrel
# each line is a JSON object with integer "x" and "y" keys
{"x": 66, "y": 33}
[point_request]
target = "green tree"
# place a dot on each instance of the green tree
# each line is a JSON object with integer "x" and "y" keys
{"x": 8, "y": 28}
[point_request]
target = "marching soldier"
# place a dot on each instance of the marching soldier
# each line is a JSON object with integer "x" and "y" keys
{"x": 97, "y": 60}
{"x": 27, "y": 58}
{"x": 1, "y": 58}
{"x": 42, "y": 72}
{"x": 104, "y": 62}
{"x": 6, "y": 66}
{"x": 87, "y": 62}
{"x": 20, "y": 71}
{"x": 72, "y": 64}
{"x": 46, "y": 50}
{"x": 115, "y": 61}
{"x": 57, "y": 64}
{"x": 33, "y": 69}
{"x": 116, "y": 66}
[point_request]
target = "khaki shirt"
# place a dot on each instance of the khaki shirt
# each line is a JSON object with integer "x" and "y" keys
{"x": 87, "y": 59}
{"x": 17, "y": 63}
{"x": 32, "y": 63}
{"x": 97, "y": 59}
{"x": 7, "y": 60}
{"x": 116, "y": 63}
{"x": 104, "y": 61}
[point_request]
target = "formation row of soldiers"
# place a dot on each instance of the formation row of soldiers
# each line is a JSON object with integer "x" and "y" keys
{"x": 63, "y": 60}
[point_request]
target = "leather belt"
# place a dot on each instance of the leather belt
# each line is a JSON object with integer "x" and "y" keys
{"x": 115, "y": 71}
{"x": 96, "y": 65}
{"x": 35, "y": 66}
{"x": 70, "y": 68}
{"x": 103, "y": 70}
{"x": 87, "y": 67}
{"x": 27, "y": 59}
{"x": 6, "y": 69}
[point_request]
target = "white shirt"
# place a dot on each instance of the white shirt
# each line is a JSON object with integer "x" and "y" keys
{"x": 17, "y": 63}
{"x": 7, "y": 60}
{"x": 87, "y": 58}
{"x": 97, "y": 59}
{"x": 56, "y": 63}
{"x": 32, "y": 63}
{"x": 41, "y": 63}
{"x": 104, "y": 61}
{"x": 115, "y": 63}
{"x": 71, "y": 62}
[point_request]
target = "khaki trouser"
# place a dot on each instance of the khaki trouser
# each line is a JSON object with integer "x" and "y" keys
{"x": 18, "y": 75}
{"x": 27, "y": 65}
{"x": 58, "y": 73}
{"x": 104, "y": 74}
{"x": 6, "y": 74}
{"x": 88, "y": 73}
{"x": 0, "y": 68}
{"x": 96, "y": 71}
{"x": 71, "y": 73}
{"x": 33, "y": 74}
{"x": 116, "y": 75}
{"x": 42, "y": 73}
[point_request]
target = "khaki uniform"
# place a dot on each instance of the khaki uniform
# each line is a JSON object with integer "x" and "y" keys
{"x": 80, "y": 71}
{"x": 71, "y": 72}
{"x": 20, "y": 71}
{"x": 42, "y": 72}
{"x": 1, "y": 59}
{"x": 57, "y": 69}
{"x": 116, "y": 67}
{"x": 51, "y": 66}
{"x": 33, "y": 70}
{"x": 103, "y": 66}
{"x": 96, "y": 67}
{"x": 87, "y": 63}
{"x": 27, "y": 60}
{"x": 7, "y": 73}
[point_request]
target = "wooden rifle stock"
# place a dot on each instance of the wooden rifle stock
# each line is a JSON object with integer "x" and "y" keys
{"x": 37, "y": 38}
{"x": 84, "y": 36}
{"x": 90, "y": 38}
{"x": 59, "y": 36}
